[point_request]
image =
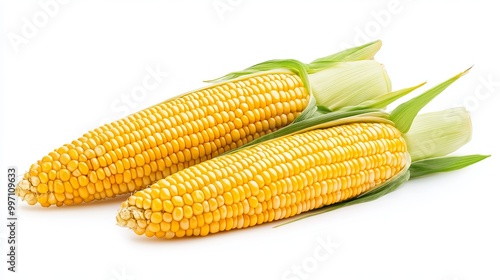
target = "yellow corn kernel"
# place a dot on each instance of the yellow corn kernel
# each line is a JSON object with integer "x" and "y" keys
{"x": 156, "y": 217}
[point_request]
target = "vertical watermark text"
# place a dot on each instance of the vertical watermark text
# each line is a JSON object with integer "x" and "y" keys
{"x": 11, "y": 224}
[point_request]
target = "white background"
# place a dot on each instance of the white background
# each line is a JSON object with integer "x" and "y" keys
{"x": 70, "y": 75}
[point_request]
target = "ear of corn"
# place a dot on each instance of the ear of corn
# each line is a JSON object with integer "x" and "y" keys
{"x": 131, "y": 153}
{"x": 134, "y": 152}
{"x": 359, "y": 158}
{"x": 271, "y": 181}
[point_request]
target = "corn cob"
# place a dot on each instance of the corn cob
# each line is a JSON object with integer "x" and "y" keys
{"x": 132, "y": 153}
{"x": 128, "y": 154}
{"x": 271, "y": 181}
{"x": 335, "y": 160}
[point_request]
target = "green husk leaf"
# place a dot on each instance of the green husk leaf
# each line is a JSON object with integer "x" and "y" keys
{"x": 322, "y": 110}
{"x": 382, "y": 101}
{"x": 366, "y": 51}
{"x": 383, "y": 189}
{"x": 290, "y": 64}
{"x": 404, "y": 114}
{"x": 310, "y": 109}
{"x": 442, "y": 164}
